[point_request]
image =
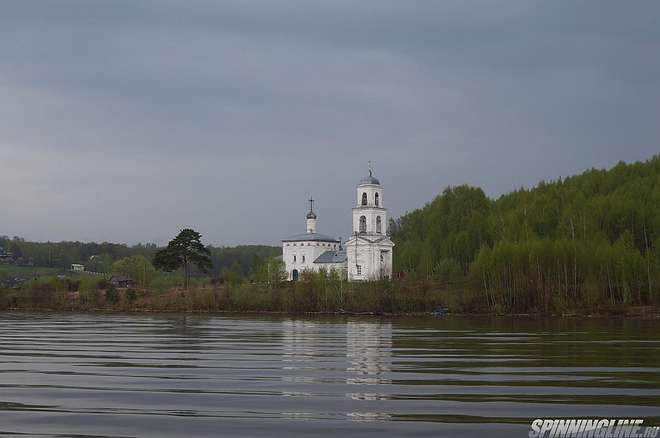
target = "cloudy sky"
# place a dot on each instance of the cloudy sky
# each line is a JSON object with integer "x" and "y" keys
{"x": 128, "y": 120}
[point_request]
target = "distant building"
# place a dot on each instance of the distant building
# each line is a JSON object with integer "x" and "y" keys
{"x": 12, "y": 282}
{"x": 121, "y": 281}
{"x": 77, "y": 267}
{"x": 6, "y": 257}
{"x": 24, "y": 261}
{"x": 369, "y": 250}
{"x": 311, "y": 251}
{"x": 367, "y": 255}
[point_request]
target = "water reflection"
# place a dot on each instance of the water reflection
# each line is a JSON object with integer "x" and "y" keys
{"x": 368, "y": 355}
{"x": 369, "y": 352}
{"x": 170, "y": 375}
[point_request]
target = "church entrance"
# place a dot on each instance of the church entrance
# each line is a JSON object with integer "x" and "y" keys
{"x": 294, "y": 275}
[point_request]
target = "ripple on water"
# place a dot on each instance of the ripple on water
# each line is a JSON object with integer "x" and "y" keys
{"x": 174, "y": 375}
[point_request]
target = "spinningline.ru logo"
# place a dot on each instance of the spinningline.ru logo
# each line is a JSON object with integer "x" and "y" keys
{"x": 592, "y": 428}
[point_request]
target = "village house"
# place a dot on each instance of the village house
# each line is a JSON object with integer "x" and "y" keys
{"x": 77, "y": 267}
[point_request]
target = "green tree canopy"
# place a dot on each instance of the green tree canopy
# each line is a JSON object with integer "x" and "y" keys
{"x": 138, "y": 268}
{"x": 184, "y": 251}
{"x": 592, "y": 238}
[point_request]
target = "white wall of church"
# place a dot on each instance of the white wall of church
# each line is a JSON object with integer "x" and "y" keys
{"x": 371, "y": 215}
{"x": 311, "y": 225}
{"x": 364, "y": 260}
{"x": 370, "y": 190}
{"x": 301, "y": 255}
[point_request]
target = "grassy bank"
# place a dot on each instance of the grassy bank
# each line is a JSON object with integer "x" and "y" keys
{"x": 316, "y": 294}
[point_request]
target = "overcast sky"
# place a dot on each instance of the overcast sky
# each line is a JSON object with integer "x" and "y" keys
{"x": 127, "y": 120}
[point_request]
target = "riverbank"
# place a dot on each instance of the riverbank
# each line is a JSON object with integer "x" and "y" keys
{"x": 632, "y": 312}
{"x": 314, "y": 297}
{"x": 653, "y": 314}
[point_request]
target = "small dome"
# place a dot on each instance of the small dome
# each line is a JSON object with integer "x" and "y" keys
{"x": 370, "y": 180}
{"x": 311, "y": 215}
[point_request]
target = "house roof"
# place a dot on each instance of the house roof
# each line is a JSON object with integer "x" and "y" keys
{"x": 331, "y": 257}
{"x": 311, "y": 237}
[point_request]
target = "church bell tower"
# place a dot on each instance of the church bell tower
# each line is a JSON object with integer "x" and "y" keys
{"x": 369, "y": 250}
{"x": 369, "y": 215}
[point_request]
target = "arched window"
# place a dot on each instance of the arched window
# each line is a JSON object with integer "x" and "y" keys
{"x": 378, "y": 224}
{"x": 363, "y": 224}
{"x": 377, "y": 200}
{"x": 364, "y": 198}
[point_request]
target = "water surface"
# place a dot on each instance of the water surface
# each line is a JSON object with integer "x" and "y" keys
{"x": 174, "y": 375}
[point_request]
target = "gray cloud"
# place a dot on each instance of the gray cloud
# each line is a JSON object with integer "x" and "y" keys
{"x": 127, "y": 120}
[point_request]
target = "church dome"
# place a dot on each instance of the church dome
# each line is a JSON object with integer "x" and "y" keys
{"x": 311, "y": 215}
{"x": 370, "y": 180}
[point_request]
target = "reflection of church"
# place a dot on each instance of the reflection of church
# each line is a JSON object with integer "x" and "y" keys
{"x": 356, "y": 357}
{"x": 365, "y": 349}
{"x": 368, "y": 351}
{"x": 367, "y": 255}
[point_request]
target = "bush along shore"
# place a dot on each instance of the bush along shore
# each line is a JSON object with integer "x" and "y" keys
{"x": 315, "y": 293}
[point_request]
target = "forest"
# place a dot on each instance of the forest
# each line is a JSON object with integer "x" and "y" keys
{"x": 583, "y": 241}
{"x": 100, "y": 257}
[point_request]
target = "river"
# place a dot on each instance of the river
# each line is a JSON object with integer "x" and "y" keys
{"x": 172, "y": 375}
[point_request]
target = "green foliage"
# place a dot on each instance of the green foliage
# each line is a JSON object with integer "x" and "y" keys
{"x": 57, "y": 257}
{"x": 452, "y": 227}
{"x": 269, "y": 271}
{"x": 240, "y": 257}
{"x": 112, "y": 295}
{"x": 185, "y": 250}
{"x": 587, "y": 240}
{"x": 60, "y": 255}
{"x": 138, "y": 268}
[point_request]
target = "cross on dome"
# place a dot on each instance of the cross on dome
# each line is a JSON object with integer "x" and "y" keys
{"x": 311, "y": 214}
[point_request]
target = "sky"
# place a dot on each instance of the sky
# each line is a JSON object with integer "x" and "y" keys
{"x": 125, "y": 121}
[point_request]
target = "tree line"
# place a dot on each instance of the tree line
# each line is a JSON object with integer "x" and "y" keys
{"x": 100, "y": 257}
{"x": 586, "y": 240}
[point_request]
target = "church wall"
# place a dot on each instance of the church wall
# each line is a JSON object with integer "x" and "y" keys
{"x": 311, "y": 250}
{"x": 371, "y": 213}
{"x": 367, "y": 256}
{"x": 370, "y": 190}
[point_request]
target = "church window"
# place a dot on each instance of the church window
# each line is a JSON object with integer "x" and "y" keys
{"x": 378, "y": 225}
{"x": 358, "y": 268}
{"x": 376, "y": 199}
{"x": 303, "y": 258}
{"x": 364, "y": 199}
{"x": 363, "y": 224}
{"x": 294, "y": 258}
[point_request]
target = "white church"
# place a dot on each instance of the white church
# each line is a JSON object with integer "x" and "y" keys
{"x": 366, "y": 256}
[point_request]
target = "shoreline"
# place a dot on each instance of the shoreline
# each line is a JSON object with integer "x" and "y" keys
{"x": 650, "y": 314}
